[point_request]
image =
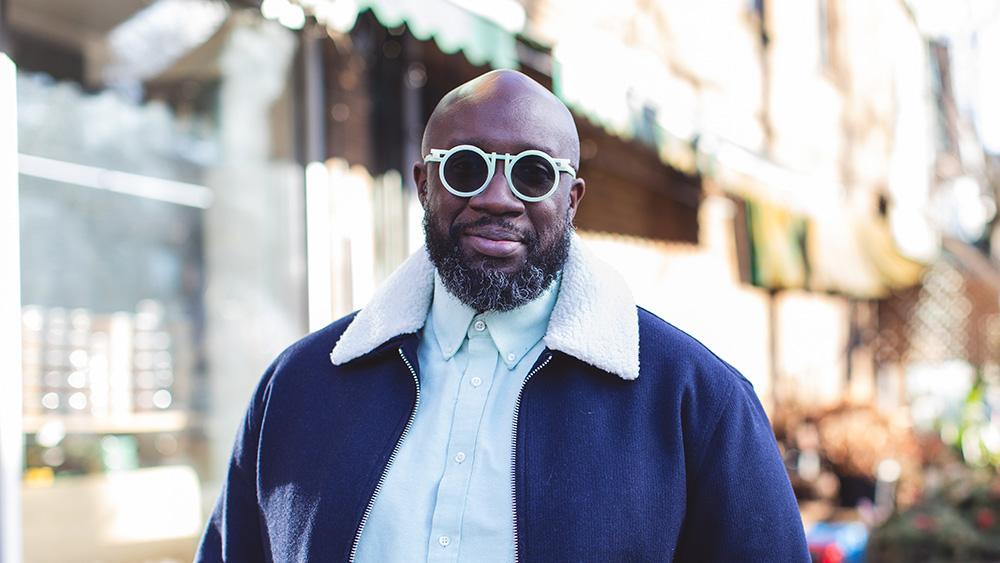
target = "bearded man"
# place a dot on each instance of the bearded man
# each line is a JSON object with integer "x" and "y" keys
{"x": 502, "y": 398}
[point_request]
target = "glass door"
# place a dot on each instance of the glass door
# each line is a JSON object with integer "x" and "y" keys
{"x": 161, "y": 244}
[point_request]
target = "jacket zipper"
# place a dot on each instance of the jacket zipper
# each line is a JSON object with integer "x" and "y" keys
{"x": 513, "y": 451}
{"x": 392, "y": 457}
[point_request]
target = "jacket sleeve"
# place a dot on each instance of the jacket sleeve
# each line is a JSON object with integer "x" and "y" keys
{"x": 236, "y": 530}
{"x": 740, "y": 503}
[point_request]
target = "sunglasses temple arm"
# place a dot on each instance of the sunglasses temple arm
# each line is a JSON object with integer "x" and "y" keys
{"x": 564, "y": 166}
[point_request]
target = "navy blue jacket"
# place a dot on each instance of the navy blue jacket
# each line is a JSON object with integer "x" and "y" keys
{"x": 678, "y": 467}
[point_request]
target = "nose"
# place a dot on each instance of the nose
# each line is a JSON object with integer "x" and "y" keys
{"x": 497, "y": 198}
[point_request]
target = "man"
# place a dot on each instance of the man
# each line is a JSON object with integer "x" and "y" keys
{"x": 502, "y": 398}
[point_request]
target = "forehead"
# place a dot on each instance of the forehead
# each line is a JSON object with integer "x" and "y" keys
{"x": 503, "y": 124}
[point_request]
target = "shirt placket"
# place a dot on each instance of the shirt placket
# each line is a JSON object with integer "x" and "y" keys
{"x": 470, "y": 405}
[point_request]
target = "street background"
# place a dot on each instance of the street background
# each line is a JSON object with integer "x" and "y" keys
{"x": 809, "y": 187}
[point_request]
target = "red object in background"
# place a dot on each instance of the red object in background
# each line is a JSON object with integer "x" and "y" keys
{"x": 985, "y": 518}
{"x": 826, "y": 553}
{"x": 924, "y": 523}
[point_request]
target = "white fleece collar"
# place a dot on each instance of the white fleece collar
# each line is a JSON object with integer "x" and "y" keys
{"x": 594, "y": 319}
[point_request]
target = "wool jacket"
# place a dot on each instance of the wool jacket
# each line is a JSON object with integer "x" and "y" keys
{"x": 631, "y": 440}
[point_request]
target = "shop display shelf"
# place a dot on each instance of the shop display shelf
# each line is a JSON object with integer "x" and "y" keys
{"x": 133, "y": 423}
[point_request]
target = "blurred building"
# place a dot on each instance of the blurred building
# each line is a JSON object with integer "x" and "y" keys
{"x": 802, "y": 185}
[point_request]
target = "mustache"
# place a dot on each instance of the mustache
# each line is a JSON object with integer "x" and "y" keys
{"x": 458, "y": 228}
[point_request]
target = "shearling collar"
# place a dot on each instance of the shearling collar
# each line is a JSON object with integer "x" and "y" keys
{"x": 594, "y": 319}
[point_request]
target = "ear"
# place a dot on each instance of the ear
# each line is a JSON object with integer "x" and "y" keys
{"x": 576, "y": 191}
{"x": 420, "y": 179}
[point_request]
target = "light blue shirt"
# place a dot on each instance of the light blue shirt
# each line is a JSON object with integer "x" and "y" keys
{"x": 447, "y": 495}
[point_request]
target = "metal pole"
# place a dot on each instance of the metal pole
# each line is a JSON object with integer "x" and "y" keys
{"x": 11, "y": 438}
{"x": 319, "y": 276}
{"x": 314, "y": 94}
{"x": 4, "y": 16}
{"x": 773, "y": 334}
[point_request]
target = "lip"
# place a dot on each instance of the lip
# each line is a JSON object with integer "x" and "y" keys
{"x": 493, "y": 241}
{"x": 492, "y": 232}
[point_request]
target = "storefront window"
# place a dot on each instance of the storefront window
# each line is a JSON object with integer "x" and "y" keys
{"x": 162, "y": 260}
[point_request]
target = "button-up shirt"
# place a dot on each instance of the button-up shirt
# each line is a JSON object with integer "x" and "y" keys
{"x": 447, "y": 495}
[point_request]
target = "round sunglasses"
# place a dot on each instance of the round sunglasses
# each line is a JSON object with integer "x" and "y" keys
{"x": 466, "y": 170}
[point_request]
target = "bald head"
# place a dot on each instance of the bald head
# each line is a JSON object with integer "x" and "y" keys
{"x": 498, "y": 98}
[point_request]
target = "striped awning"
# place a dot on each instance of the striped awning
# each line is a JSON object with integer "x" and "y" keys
{"x": 454, "y": 28}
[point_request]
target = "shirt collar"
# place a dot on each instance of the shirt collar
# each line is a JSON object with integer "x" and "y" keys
{"x": 514, "y": 332}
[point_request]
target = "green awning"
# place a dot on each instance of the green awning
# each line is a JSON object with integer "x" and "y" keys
{"x": 804, "y": 234}
{"x": 453, "y": 28}
{"x": 777, "y": 246}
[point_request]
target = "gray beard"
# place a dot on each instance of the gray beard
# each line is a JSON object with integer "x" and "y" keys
{"x": 486, "y": 289}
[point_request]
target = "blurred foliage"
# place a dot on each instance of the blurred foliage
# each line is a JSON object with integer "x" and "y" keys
{"x": 956, "y": 521}
{"x": 978, "y": 432}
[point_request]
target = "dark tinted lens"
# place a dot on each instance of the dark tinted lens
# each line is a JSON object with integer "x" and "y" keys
{"x": 465, "y": 171}
{"x": 533, "y": 176}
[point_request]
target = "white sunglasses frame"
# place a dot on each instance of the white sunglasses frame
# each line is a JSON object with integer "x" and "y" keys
{"x": 559, "y": 165}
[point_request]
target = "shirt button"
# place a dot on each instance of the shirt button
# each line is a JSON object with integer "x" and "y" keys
{"x": 459, "y": 457}
{"x": 476, "y": 381}
{"x": 511, "y": 357}
{"x": 444, "y": 541}
{"x": 479, "y": 325}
